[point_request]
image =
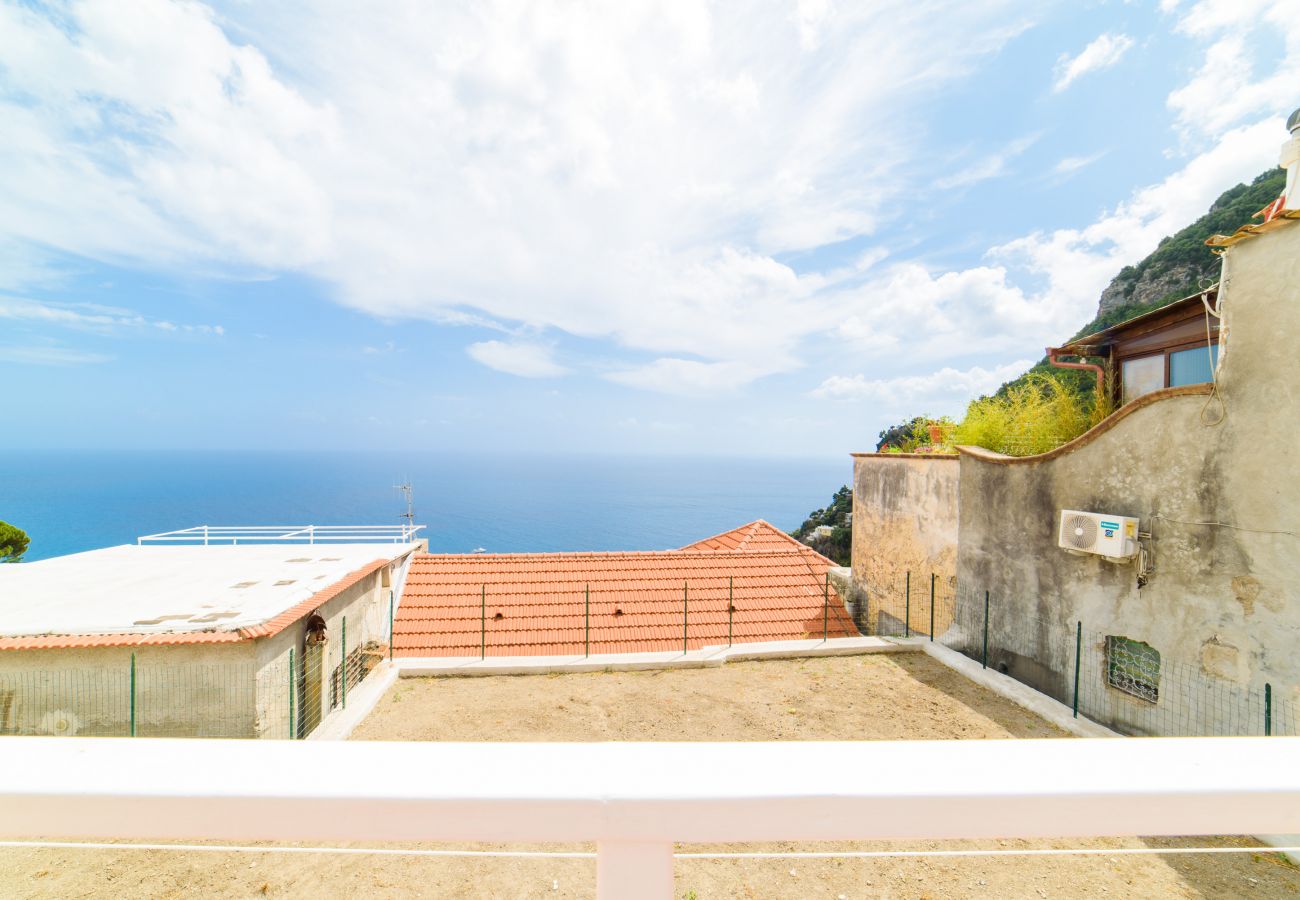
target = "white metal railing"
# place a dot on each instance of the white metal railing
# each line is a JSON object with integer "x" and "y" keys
{"x": 276, "y": 534}
{"x": 634, "y": 800}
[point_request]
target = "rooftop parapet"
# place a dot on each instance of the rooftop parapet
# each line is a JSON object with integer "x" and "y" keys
{"x": 286, "y": 534}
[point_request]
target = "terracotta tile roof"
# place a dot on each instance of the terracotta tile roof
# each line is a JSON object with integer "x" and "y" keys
{"x": 294, "y": 613}
{"x": 266, "y": 629}
{"x": 535, "y": 604}
{"x": 71, "y": 641}
{"x": 757, "y": 535}
{"x": 1286, "y": 217}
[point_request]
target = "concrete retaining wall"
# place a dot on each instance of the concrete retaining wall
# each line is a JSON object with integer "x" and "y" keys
{"x": 180, "y": 691}
{"x": 904, "y": 520}
{"x": 1224, "y": 596}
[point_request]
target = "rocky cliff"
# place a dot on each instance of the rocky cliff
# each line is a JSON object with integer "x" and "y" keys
{"x": 1182, "y": 263}
{"x": 1180, "y": 266}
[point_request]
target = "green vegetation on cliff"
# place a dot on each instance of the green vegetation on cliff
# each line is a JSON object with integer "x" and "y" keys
{"x": 837, "y": 516}
{"x": 1179, "y": 266}
{"x": 1046, "y": 405}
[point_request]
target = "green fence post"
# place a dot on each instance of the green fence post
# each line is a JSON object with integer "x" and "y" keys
{"x": 291, "y": 693}
{"x": 391, "y": 598}
{"x": 343, "y": 681}
{"x": 482, "y": 624}
{"x": 984, "y": 661}
{"x": 932, "y": 577}
{"x": 731, "y": 605}
{"x": 587, "y": 622}
{"x": 907, "y": 605}
{"x": 1078, "y": 659}
{"x": 826, "y": 605}
{"x": 132, "y": 695}
{"x": 686, "y": 593}
{"x": 1268, "y": 709}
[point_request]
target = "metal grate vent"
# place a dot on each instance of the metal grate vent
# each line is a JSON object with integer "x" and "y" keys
{"x": 1081, "y": 532}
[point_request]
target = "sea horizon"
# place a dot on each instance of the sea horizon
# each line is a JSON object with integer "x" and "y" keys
{"x": 69, "y": 501}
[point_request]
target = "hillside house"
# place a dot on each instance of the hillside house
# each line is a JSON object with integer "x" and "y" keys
{"x": 194, "y": 639}
{"x": 1196, "y": 633}
{"x": 1173, "y": 346}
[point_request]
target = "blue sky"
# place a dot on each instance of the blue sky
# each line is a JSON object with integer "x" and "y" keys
{"x": 650, "y": 228}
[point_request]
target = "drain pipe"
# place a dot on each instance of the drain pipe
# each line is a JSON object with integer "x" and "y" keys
{"x": 1053, "y": 352}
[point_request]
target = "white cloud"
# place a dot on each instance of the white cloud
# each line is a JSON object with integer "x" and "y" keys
{"x": 629, "y": 171}
{"x": 50, "y": 356}
{"x": 995, "y": 165}
{"x": 942, "y": 315}
{"x": 1229, "y": 86}
{"x": 91, "y": 317}
{"x": 632, "y": 423}
{"x": 1071, "y": 164}
{"x": 992, "y": 309}
{"x": 942, "y": 387}
{"x": 688, "y": 376}
{"x": 1079, "y": 263}
{"x": 388, "y": 348}
{"x": 1104, "y": 52}
{"x": 138, "y": 130}
{"x": 524, "y": 360}
{"x": 554, "y": 167}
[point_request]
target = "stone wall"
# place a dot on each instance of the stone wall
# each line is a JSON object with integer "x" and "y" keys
{"x": 904, "y": 520}
{"x": 1222, "y": 605}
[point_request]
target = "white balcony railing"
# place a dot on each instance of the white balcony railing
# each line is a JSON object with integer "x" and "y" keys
{"x": 278, "y": 534}
{"x": 634, "y": 800}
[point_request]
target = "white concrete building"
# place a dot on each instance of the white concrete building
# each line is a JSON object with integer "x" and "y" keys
{"x": 181, "y": 636}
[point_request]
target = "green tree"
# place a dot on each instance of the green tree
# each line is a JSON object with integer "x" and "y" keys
{"x": 13, "y": 543}
{"x": 900, "y": 434}
{"x": 837, "y": 545}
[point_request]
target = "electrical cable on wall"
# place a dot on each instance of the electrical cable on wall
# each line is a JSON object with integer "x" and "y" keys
{"x": 1217, "y": 312}
{"x": 1147, "y": 554}
{"x": 1225, "y": 525}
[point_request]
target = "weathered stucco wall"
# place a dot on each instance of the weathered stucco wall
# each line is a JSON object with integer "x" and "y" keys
{"x": 238, "y": 690}
{"x": 365, "y": 605}
{"x": 181, "y": 691}
{"x": 1223, "y": 604}
{"x": 904, "y": 520}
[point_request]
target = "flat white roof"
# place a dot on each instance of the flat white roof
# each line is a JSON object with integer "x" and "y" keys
{"x": 173, "y": 589}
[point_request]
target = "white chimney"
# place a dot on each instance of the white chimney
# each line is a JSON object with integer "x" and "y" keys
{"x": 1291, "y": 162}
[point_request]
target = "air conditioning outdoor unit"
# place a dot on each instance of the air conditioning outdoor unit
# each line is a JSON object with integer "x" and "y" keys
{"x": 1114, "y": 537}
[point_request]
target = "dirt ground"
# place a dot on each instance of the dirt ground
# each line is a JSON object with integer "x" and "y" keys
{"x": 844, "y": 698}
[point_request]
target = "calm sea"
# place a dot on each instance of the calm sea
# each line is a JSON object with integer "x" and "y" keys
{"x": 69, "y": 502}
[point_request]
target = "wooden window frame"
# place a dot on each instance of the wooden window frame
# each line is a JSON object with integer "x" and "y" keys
{"x": 1165, "y": 350}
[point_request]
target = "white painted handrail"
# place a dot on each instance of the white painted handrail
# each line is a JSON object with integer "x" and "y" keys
{"x": 303, "y": 534}
{"x": 635, "y": 799}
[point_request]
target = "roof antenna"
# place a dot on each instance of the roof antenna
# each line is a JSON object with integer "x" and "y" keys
{"x": 405, "y": 487}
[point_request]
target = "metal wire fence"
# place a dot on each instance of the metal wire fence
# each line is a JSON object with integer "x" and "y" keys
{"x": 592, "y": 620}
{"x": 155, "y": 693}
{"x": 909, "y": 604}
{"x": 1112, "y": 677}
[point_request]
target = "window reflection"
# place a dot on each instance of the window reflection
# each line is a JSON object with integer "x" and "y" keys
{"x": 1143, "y": 375}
